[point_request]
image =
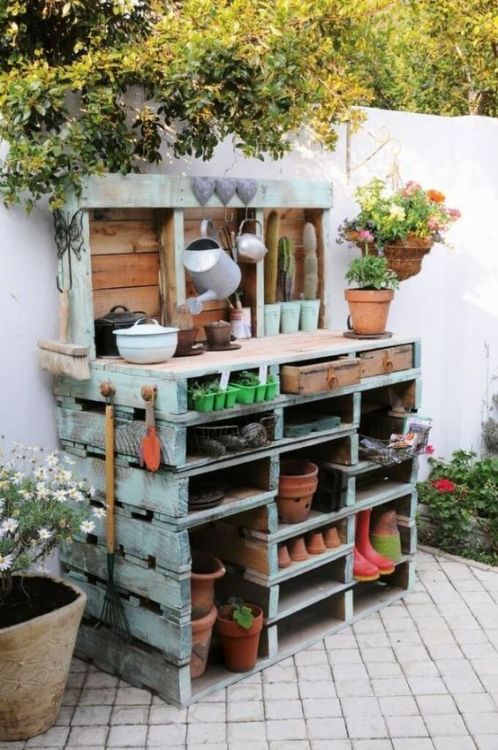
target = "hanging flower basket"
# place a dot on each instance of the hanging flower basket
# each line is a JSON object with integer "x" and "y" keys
{"x": 404, "y": 257}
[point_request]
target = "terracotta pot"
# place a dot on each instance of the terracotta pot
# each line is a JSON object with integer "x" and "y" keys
{"x": 284, "y": 560}
{"x": 315, "y": 544}
{"x": 331, "y": 537}
{"x": 239, "y": 646}
{"x": 186, "y": 340}
{"x": 201, "y": 640}
{"x": 297, "y": 549}
{"x": 369, "y": 309}
{"x": 218, "y": 336}
{"x": 206, "y": 569}
{"x": 35, "y": 657}
{"x": 297, "y": 485}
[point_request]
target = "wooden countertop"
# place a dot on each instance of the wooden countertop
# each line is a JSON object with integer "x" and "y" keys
{"x": 255, "y": 352}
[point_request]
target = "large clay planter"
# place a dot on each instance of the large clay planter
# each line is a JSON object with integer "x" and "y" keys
{"x": 239, "y": 646}
{"x": 369, "y": 309}
{"x": 206, "y": 569}
{"x": 297, "y": 485}
{"x": 35, "y": 657}
{"x": 201, "y": 640}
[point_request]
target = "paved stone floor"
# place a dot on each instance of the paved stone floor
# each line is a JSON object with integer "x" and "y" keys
{"x": 420, "y": 675}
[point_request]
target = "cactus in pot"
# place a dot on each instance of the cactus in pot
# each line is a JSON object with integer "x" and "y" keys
{"x": 271, "y": 258}
{"x": 290, "y": 311}
{"x": 310, "y": 306}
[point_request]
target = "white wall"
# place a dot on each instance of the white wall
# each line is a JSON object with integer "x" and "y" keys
{"x": 452, "y": 304}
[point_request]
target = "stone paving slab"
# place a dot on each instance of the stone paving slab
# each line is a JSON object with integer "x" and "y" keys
{"x": 420, "y": 675}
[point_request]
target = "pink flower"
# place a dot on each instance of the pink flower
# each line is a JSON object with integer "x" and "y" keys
{"x": 365, "y": 235}
{"x": 429, "y": 450}
{"x": 411, "y": 187}
{"x": 454, "y": 213}
{"x": 433, "y": 225}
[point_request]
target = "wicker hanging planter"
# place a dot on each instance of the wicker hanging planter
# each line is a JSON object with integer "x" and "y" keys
{"x": 404, "y": 257}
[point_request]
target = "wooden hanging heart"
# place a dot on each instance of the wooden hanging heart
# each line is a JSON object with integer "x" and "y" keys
{"x": 246, "y": 190}
{"x": 203, "y": 188}
{"x": 225, "y": 189}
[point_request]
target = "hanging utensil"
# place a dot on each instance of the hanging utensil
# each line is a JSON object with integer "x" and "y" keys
{"x": 113, "y": 613}
{"x": 150, "y": 448}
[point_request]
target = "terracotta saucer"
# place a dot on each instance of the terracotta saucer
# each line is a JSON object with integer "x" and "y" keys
{"x": 353, "y": 335}
{"x": 199, "y": 349}
{"x": 228, "y": 348}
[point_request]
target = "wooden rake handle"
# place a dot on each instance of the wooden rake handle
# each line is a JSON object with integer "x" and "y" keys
{"x": 107, "y": 390}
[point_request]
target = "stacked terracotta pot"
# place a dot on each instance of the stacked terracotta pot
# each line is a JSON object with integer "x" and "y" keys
{"x": 206, "y": 569}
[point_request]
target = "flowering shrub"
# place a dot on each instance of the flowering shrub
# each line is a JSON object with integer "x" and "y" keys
{"x": 387, "y": 218}
{"x": 41, "y": 504}
{"x": 460, "y": 500}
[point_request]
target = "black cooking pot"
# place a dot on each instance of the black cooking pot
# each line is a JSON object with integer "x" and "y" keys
{"x": 105, "y": 342}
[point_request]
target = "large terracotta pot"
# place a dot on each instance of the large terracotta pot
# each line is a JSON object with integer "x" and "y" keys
{"x": 201, "y": 640}
{"x": 239, "y": 646}
{"x": 206, "y": 569}
{"x": 296, "y": 487}
{"x": 369, "y": 309}
{"x": 35, "y": 657}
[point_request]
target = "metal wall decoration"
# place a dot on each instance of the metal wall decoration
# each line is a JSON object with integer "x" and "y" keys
{"x": 203, "y": 188}
{"x": 68, "y": 236}
{"x": 225, "y": 189}
{"x": 246, "y": 190}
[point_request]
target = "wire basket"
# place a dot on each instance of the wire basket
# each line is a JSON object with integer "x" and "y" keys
{"x": 220, "y": 439}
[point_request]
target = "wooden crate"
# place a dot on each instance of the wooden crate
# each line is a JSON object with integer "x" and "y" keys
{"x": 384, "y": 361}
{"x": 320, "y": 376}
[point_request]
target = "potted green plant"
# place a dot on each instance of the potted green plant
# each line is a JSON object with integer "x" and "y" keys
{"x": 41, "y": 505}
{"x": 200, "y": 397}
{"x": 239, "y": 626}
{"x": 402, "y": 226}
{"x": 374, "y": 289}
{"x": 272, "y": 308}
{"x": 310, "y": 304}
{"x": 290, "y": 309}
{"x": 271, "y": 388}
{"x": 247, "y": 384}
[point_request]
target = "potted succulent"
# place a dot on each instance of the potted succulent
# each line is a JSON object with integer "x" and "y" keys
{"x": 310, "y": 305}
{"x": 40, "y": 505}
{"x": 290, "y": 309}
{"x": 374, "y": 289}
{"x": 272, "y": 308}
{"x": 239, "y": 626}
{"x": 402, "y": 226}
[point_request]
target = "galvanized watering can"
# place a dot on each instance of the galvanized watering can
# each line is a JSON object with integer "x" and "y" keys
{"x": 250, "y": 247}
{"x": 214, "y": 274}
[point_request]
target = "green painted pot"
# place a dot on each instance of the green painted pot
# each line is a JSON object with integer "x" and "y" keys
{"x": 272, "y": 319}
{"x": 219, "y": 401}
{"x": 230, "y": 397}
{"x": 246, "y": 394}
{"x": 289, "y": 316}
{"x": 204, "y": 403}
{"x": 310, "y": 309}
{"x": 271, "y": 391}
{"x": 260, "y": 394}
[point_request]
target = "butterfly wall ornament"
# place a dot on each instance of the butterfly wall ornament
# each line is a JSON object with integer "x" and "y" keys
{"x": 68, "y": 236}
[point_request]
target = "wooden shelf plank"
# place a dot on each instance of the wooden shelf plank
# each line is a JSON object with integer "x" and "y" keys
{"x": 297, "y": 568}
{"x": 314, "y": 591}
{"x": 232, "y": 504}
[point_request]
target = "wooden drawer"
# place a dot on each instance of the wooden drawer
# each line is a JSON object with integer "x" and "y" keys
{"x": 319, "y": 377}
{"x": 384, "y": 361}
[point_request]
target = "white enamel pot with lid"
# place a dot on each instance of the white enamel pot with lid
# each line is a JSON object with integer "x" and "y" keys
{"x": 146, "y": 343}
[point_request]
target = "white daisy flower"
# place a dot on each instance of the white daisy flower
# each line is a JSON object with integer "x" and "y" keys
{"x": 60, "y": 496}
{"x": 99, "y": 512}
{"x": 42, "y": 492}
{"x": 52, "y": 460}
{"x": 9, "y": 525}
{"x": 44, "y": 533}
{"x": 87, "y": 527}
{"x": 17, "y": 478}
{"x": 6, "y": 562}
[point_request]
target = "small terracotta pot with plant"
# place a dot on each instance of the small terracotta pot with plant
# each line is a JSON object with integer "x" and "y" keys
{"x": 239, "y": 627}
{"x": 371, "y": 298}
{"x": 40, "y": 505}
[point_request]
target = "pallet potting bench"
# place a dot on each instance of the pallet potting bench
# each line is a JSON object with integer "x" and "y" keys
{"x": 146, "y": 215}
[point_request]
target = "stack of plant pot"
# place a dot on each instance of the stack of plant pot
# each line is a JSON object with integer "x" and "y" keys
{"x": 297, "y": 485}
{"x": 206, "y": 569}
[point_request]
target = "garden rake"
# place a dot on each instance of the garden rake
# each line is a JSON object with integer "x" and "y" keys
{"x": 113, "y": 613}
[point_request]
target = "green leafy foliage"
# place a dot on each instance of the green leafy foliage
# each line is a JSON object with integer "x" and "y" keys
{"x": 241, "y": 613}
{"x": 91, "y": 87}
{"x": 460, "y": 497}
{"x": 371, "y": 272}
{"x": 41, "y": 504}
{"x": 246, "y": 377}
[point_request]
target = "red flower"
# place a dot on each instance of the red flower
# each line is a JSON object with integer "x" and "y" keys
{"x": 429, "y": 450}
{"x": 444, "y": 485}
